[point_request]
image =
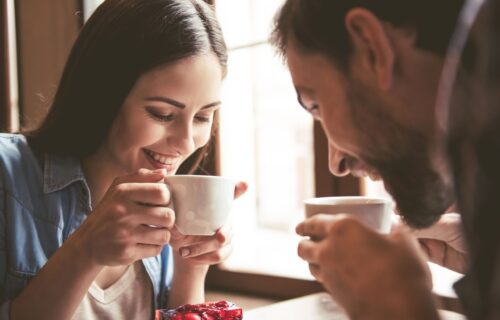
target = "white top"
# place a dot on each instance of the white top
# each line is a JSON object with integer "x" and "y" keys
{"x": 130, "y": 297}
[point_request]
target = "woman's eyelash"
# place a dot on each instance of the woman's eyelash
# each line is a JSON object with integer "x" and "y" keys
{"x": 203, "y": 118}
{"x": 169, "y": 117}
{"x": 161, "y": 117}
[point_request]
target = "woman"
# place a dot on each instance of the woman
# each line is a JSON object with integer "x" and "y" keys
{"x": 79, "y": 195}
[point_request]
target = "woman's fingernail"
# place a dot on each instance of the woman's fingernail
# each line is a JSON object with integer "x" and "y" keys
{"x": 184, "y": 252}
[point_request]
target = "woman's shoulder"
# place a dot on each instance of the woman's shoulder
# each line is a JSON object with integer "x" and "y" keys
{"x": 12, "y": 145}
{"x": 15, "y": 155}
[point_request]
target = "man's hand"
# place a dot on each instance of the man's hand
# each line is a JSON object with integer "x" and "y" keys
{"x": 372, "y": 276}
{"x": 443, "y": 242}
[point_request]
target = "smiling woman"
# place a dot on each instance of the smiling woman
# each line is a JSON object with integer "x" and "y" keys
{"x": 165, "y": 118}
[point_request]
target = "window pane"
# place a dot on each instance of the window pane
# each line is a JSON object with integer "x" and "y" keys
{"x": 266, "y": 138}
{"x": 246, "y": 21}
{"x": 89, "y": 7}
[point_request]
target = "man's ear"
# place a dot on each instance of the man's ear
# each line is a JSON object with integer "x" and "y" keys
{"x": 371, "y": 45}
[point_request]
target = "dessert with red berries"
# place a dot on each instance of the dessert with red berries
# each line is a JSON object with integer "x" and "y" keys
{"x": 222, "y": 310}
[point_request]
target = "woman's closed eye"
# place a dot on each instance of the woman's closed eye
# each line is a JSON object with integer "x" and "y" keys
{"x": 159, "y": 116}
{"x": 205, "y": 117}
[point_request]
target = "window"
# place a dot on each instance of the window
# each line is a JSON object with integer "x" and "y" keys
{"x": 266, "y": 139}
{"x": 89, "y": 6}
{"x": 9, "y": 112}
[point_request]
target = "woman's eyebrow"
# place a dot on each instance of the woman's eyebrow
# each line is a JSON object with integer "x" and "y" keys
{"x": 178, "y": 104}
{"x": 210, "y": 105}
{"x": 172, "y": 102}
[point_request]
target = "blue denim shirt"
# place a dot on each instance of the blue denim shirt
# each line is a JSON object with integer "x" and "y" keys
{"x": 42, "y": 202}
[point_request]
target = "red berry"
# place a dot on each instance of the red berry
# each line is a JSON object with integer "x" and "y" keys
{"x": 191, "y": 316}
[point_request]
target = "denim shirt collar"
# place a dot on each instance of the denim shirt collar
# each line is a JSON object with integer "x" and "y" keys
{"x": 60, "y": 171}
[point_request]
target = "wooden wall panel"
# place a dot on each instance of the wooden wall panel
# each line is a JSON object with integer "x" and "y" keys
{"x": 46, "y": 30}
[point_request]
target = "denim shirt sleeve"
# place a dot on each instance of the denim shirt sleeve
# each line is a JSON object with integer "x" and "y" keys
{"x": 4, "y": 305}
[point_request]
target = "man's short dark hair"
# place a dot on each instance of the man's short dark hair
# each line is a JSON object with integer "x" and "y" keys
{"x": 318, "y": 26}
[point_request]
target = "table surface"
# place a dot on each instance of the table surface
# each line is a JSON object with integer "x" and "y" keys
{"x": 318, "y": 306}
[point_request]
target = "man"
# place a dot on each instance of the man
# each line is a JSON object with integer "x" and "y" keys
{"x": 369, "y": 72}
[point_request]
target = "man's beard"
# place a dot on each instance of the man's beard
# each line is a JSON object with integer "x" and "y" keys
{"x": 420, "y": 193}
{"x": 402, "y": 158}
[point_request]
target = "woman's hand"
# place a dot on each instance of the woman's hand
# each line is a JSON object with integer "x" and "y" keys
{"x": 193, "y": 255}
{"x": 131, "y": 222}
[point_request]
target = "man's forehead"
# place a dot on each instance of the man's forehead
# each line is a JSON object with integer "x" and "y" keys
{"x": 307, "y": 68}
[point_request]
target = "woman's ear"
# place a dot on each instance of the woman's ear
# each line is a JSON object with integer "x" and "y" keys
{"x": 371, "y": 45}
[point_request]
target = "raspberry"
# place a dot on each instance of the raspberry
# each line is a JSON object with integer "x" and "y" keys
{"x": 221, "y": 310}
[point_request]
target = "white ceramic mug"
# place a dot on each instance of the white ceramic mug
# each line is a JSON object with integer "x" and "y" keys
{"x": 201, "y": 203}
{"x": 375, "y": 213}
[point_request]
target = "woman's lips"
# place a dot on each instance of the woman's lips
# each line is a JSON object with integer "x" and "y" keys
{"x": 161, "y": 161}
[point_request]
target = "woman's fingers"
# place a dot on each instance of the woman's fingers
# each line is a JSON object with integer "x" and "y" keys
{"x": 206, "y": 245}
{"x": 240, "y": 188}
{"x": 161, "y": 217}
{"x": 143, "y": 251}
{"x": 214, "y": 257}
{"x": 148, "y": 235}
{"x": 150, "y": 193}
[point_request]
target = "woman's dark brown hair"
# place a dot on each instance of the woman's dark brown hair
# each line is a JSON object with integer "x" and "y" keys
{"x": 122, "y": 40}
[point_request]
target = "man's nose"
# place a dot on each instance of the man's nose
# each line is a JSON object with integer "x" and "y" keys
{"x": 337, "y": 162}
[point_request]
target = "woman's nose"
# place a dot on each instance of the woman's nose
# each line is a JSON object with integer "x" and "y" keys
{"x": 181, "y": 137}
{"x": 337, "y": 162}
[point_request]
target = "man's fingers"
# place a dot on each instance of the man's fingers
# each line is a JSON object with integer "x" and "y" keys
{"x": 312, "y": 227}
{"x": 318, "y": 225}
{"x": 308, "y": 251}
{"x": 315, "y": 271}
